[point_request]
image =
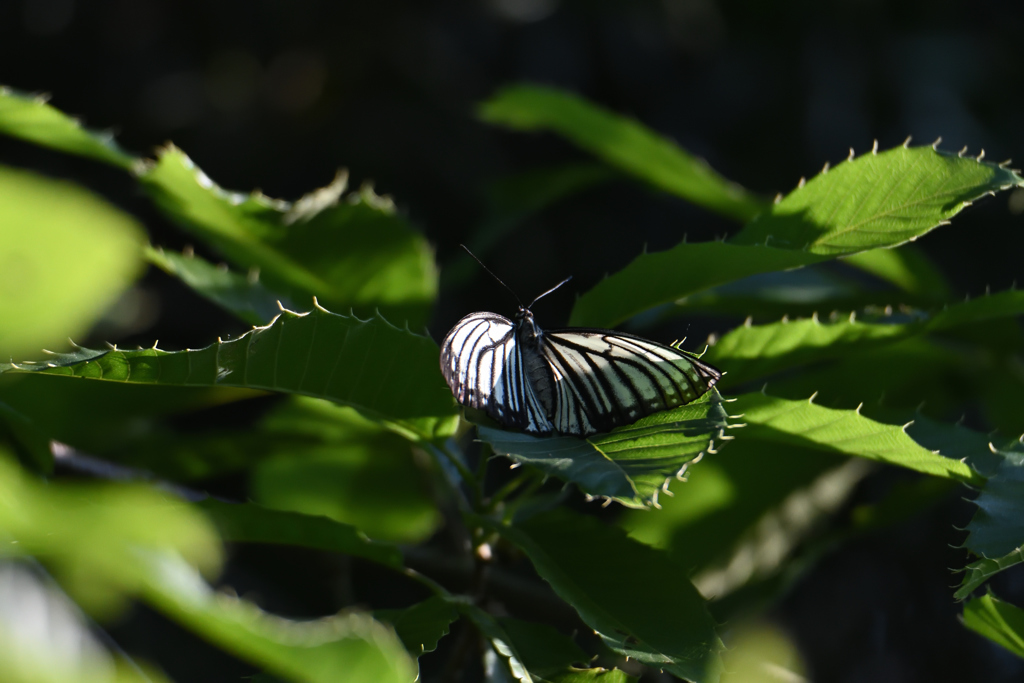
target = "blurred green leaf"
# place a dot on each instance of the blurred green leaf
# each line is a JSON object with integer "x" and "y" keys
{"x": 30, "y": 118}
{"x": 636, "y": 599}
{"x": 422, "y": 626}
{"x": 622, "y": 143}
{"x": 388, "y": 374}
{"x": 103, "y": 417}
{"x": 874, "y": 201}
{"x": 754, "y": 351}
{"x": 350, "y": 251}
{"x": 806, "y": 424}
{"x": 330, "y": 461}
{"x": 630, "y": 464}
{"x": 725, "y": 496}
{"x": 94, "y": 535}
{"x": 250, "y": 523}
{"x": 244, "y": 296}
{"x": 65, "y": 257}
{"x": 24, "y": 438}
{"x": 907, "y": 267}
{"x": 544, "y": 649}
{"x": 996, "y": 620}
{"x": 595, "y": 675}
{"x": 350, "y": 647}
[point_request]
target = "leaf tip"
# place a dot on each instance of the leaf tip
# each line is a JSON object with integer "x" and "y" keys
{"x": 812, "y": 397}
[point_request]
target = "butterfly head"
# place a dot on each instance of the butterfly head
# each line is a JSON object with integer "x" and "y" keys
{"x": 528, "y": 330}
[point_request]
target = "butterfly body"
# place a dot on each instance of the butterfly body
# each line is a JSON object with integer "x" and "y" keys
{"x": 576, "y": 381}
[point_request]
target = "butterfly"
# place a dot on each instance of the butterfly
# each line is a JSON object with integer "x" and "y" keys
{"x": 575, "y": 382}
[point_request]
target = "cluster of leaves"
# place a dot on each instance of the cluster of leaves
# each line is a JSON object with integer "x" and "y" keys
{"x": 368, "y": 442}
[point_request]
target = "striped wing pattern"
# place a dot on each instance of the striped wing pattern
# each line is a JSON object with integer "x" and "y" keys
{"x": 483, "y": 364}
{"x": 600, "y": 379}
{"x": 607, "y": 379}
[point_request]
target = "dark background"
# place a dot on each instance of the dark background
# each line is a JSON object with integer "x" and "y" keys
{"x": 278, "y": 95}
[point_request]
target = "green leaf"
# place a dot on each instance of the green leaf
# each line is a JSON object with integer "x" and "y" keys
{"x": 388, "y": 374}
{"x": 803, "y": 423}
{"x": 630, "y": 464}
{"x": 350, "y": 647}
{"x": 93, "y": 535}
{"x": 490, "y": 629}
{"x": 422, "y": 626}
{"x": 754, "y": 351}
{"x": 595, "y": 675}
{"x": 65, "y": 256}
{"x": 349, "y": 250}
{"x": 250, "y": 523}
{"x": 997, "y": 528}
{"x": 795, "y": 293}
{"x": 326, "y": 460}
{"x": 980, "y": 571}
{"x": 28, "y": 442}
{"x": 874, "y": 201}
{"x": 726, "y": 497}
{"x": 544, "y": 649}
{"x": 622, "y": 143}
{"x": 907, "y": 268}
{"x": 245, "y": 296}
{"x": 998, "y": 621}
{"x": 663, "y": 277}
{"x": 637, "y": 600}
{"x": 30, "y": 118}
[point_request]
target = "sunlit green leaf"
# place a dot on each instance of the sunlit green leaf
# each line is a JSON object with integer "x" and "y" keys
{"x": 621, "y": 142}
{"x": 92, "y": 253}
{"x": 874, "y": 201}
{"x": 386, "y": 373}
{"x": 632, "y": 595}
{"x": 806, "y": 424}
{"x": 630, "y": 464}
{"x": 350, "y": 250}
{"x": 725, "y": 496}
{"x": 998, "y": 621}
{"x": 30, "y": 118}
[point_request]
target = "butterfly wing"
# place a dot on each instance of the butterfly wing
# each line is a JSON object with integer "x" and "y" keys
{"x": 483, "y": 364}
{"x": 605, "y": 379}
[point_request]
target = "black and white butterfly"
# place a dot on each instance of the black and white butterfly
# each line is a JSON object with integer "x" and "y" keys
{"x": 576, "y": 381}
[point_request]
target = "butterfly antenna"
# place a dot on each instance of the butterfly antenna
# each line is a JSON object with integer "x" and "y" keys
{"x": 541, "y": 296}
{"x": 495, "y": 276}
